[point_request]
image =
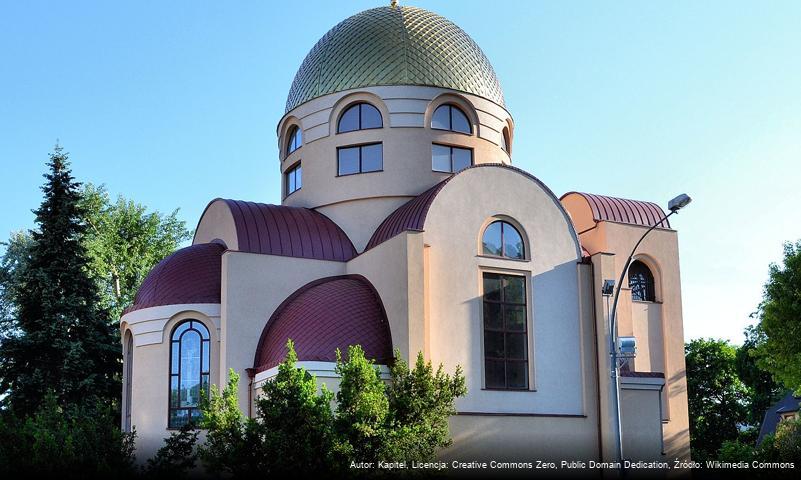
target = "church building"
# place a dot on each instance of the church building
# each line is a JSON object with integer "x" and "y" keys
{"x": 405, "y": 225}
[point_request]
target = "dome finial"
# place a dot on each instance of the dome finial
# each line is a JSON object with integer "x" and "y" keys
{"x": 393, "y": 3}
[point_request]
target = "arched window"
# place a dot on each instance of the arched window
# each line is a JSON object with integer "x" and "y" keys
{"x": 189, "y": 371}
{"x": 128, "y": 379}
{"x": 295, "y": 140}
{"x": 501, "y": 239}
{"x": 450, "y": 117}
{"x": 361, "y": 116}
{"x": 505, "y": 140}
{"x": 641, "y": 282}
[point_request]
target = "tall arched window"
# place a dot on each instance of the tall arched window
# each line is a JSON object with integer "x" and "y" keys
{"x": 189, "y": 371}
{"x": 450, "y": 117}
{"x": 295, "y": 140}
{"x": 128, "y": 379}
{"x": 361, "y": 116}
{"x": 501, "y": 239}
{"x": 641, "y": 282}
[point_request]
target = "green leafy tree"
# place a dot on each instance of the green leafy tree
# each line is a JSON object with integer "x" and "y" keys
{"x": 124, "y": 241}
{"x": 232, "y": 446}
{"x": 761, "y": 390}
{"x": 177, "y": 457}
{"x": 295, "y": 420}
{"x": 787, "y": 441}
{"x": 61, "y": 338}
{"x": 362, "y": 413}
{"x": 420, "y": 403}
{"x": 780, "y": 319}
{"x": 716, "y": 396}
{"x": 15, "y": 257}
{"x": 76, "y": 441}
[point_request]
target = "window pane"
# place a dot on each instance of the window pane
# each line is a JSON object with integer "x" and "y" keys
{"x": 290, "y": 182}
{"x": 494, "y": 374}
{"x": 492, "y": 287}
{"x": 371, "y": 117}
{"x": 504, "y": 142}
{"x": 298, "y": 138}
{"x": 349, "y": 121}
{"x": 491, "y": 241}
{"x": 348, "y": 160}
{"x": 459, "y": 121}
{"x": 440, "y": 158}
{"x": 514, "y": 289}
{"x": 441, "y": 118}
{"x": 372, "y": 158}
{"x": 493, "y": 344}
{"x": 462, "y": 158}
{"x": 181, "y": 329}
{"x": 178, "y": 418}
{"x": 515, "y": 317}
{"x": 516, "y": 346}
{"x": 204, "y": 384}
{"x": 175, "y": 359}
{"x": 174, "y": 392}
{"x": 298, "y": 182}
{"x": 517, "y": 374}
{"x": 512, "y": 242}
{"x": 204, "y": 367}
{"x": 190, "y": 368}
{"x": 492, "y": 316}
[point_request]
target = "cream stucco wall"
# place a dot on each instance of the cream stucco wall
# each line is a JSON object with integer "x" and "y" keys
{"x": 358, "y": 203}
{"x": 453, "y": 228}
{"x": 253, "y": 286}
{"x": 151, "y": 329}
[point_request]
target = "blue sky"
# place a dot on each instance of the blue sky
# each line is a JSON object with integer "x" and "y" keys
{"x": 175, "y": 103}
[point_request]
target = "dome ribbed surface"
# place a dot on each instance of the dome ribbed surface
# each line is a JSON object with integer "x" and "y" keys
{"x": 394, "y": 46}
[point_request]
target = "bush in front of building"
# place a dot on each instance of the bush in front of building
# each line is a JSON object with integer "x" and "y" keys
{"x": 782, "y": 446}
{"x": 72, "y": 442}
{"x": 298, "y": 431}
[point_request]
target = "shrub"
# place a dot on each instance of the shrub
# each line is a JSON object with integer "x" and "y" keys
{"x": 177, "y": 457}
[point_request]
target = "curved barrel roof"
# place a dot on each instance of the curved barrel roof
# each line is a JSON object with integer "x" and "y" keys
{"x": 288, "y": 231}
{"x": 622, "y": 210}
{"x": 324, "y": 315}
{"x": 190, "y": 275}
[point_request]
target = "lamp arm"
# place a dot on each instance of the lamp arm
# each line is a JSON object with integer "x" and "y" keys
{"x": 612, "y": 333}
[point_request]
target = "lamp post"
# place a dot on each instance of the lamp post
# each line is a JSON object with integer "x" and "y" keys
{"x": 674, "y": 206}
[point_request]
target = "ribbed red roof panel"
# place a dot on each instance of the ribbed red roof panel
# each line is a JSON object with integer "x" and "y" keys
{"x": 190, "y": 275}
{"x": 623, "y": 210}
{"x": 409, "y": 216}
{"x": 323, "y": 316}
{"x": 289, "y": 231}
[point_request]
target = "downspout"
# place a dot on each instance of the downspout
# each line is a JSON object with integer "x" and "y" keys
{"x": 252, "y": 376}
{"x": 597, "y": 365}
{"x": 661, "y": 422}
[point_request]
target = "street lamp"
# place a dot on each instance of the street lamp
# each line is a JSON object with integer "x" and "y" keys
{"x": 674, "y": 206}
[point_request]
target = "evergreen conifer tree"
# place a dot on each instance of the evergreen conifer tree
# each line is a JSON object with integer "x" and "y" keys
{"x": 62, "y": 340}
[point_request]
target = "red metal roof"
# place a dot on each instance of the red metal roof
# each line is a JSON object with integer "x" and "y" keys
{"x": 412, "y": 215}
{"x": 190, "y": 275}
{"x": 409, "y": 216}
{"x": 289, "y": 231}
{"x": 324, "y": 315}
{"x": 622, "y": 210}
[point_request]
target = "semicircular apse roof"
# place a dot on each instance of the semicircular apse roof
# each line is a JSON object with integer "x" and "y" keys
{"x": 323, "y": 316}
{"x": 190, "y": 275}
{"x": 397, "y": 45}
